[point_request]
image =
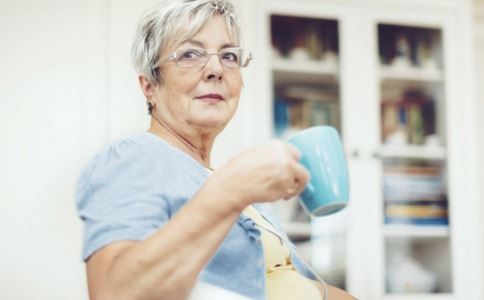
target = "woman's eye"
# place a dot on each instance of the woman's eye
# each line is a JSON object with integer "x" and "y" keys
{"x": 230, "y": 56}
{"x": 190, "y": 54}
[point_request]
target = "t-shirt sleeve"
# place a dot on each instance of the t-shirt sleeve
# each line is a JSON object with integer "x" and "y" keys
{"x": 117, "y": 198}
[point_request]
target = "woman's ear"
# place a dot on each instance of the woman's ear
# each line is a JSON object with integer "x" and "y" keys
{"x": 146, "y": 86}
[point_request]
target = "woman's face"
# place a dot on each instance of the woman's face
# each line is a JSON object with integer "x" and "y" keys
{"x": 199, "y": 98}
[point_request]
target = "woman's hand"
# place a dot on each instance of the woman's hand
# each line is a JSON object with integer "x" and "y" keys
{"x": 263, "y": 174}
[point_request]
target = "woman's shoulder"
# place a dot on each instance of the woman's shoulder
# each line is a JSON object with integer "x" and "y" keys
{"x": 137, "y": 164}
{"x": 130, "y": 156}
{"x": 134, "y": 156}
{"x": 124, "y": 150}
{"x": 140, "y": 144}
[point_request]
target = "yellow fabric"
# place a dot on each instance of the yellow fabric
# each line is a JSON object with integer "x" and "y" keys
{"x": 282, "y": 279}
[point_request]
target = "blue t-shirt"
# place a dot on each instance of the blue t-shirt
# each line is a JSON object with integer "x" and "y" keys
{"x": 133, "y": 187}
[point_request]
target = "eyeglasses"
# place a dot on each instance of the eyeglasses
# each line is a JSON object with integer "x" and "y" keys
{"x": 233, "y": 58}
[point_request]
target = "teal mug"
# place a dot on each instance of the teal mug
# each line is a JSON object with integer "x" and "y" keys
{"x": 323, "y": 156}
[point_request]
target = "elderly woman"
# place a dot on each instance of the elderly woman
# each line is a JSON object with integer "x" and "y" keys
{"x": 157, "y": 217}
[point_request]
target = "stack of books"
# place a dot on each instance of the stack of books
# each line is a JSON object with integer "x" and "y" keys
{"x": 415, "y": 195}
{"x": 299, "y": 107}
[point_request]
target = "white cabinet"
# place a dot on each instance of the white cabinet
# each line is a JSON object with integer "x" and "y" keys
{"x": 395, "y": 78}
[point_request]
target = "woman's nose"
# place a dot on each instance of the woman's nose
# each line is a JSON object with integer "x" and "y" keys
{"x": 213, "y": 69}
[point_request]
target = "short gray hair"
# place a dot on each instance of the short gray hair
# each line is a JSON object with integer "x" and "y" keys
{"x": 173, "y": 21}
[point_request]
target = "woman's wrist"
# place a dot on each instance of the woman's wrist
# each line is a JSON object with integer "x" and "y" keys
{"x": 227, "y": 198}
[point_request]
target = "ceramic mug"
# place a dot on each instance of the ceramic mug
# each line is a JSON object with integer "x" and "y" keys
{"x": 323, "y": 156}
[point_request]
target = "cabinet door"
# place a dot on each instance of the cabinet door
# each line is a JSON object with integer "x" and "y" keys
{"x": 421, "y": 215}
{"x": 416, "y": 219}
{"x": 403, "y": 88}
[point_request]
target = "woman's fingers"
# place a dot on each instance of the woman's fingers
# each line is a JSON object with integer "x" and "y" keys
{"x": 268, "y": 173}
{"x": 299, "y": 178}
{"x": 301, "y": 175}
{"x": 293, "y": 152}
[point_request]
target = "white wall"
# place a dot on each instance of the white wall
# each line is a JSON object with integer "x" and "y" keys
{"x": 479, "y": 47}
{"x": 41, "y": 120}
{"x": 479, "y": 42}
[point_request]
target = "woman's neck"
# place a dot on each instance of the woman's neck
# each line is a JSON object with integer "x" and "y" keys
{"x": 197, "y": 145}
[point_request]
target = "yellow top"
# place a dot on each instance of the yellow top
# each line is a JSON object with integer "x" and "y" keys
{"x": 282, "y": 279}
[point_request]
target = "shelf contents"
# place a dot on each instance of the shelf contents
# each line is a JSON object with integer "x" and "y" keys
{"x": 305, "y": 39}
{"x": 299, "y": 107}
{"x": 415, "y": 195}
{"x": 417, "y": 266}
{"x": 409, "y": 119}
{"x": 405, "y": 48}
{"x": 405, "y": 274}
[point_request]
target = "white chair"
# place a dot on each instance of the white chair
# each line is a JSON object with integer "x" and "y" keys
{"x": 205, "y": 291}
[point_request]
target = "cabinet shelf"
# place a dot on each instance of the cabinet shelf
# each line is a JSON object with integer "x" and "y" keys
{"x": 413, "y": 151}
{"x": 414, "y": 231}
{"x": 298, "y": 230}
{"x": 436, "y": 296}
{"x": 413, "y": 74}
{"x": 287, "y": 70}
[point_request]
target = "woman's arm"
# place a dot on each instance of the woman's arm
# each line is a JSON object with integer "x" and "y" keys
{"x": 167, "y": 264}
{"x": 334, "y": 293}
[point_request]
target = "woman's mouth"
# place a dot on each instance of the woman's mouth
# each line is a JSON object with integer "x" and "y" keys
{"x": 211, "y": 98}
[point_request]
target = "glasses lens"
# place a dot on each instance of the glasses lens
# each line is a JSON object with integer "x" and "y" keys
{"x": 197, "y": 57}
{"x": 234, "y": 57}
{"x": 190, "y": 57}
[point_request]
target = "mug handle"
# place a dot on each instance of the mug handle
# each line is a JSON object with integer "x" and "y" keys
{"x": 309, "y": 188}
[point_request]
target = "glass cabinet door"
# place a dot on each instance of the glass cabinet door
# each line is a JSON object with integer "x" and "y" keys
{"x": 306, "y": 92}
{"x": 414, "y": 161}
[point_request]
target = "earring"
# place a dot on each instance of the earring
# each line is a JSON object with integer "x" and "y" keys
{"x": 150, "y": 106}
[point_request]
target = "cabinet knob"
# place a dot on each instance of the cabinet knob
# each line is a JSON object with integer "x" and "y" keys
{"x": 355, "y": 154}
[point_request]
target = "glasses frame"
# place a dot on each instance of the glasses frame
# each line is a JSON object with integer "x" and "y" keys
{"x": 172, "y": 57}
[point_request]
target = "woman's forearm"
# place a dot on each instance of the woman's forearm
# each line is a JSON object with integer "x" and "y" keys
{"x": 166, "y": 265}
{"x": 334, "y": 293}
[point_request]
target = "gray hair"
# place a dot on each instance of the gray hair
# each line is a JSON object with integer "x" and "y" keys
{"x": 173, "y": 21}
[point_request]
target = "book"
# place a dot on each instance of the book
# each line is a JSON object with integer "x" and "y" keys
{"x": 413, "y": 170}
{"x": 407, "y": 196}
{"x": 281, "y": 116}
{"x": 416, "y": 210}
{"x": 417, "y": 221}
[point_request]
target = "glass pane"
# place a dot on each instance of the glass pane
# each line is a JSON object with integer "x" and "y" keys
{"x": 306, "y": 89}
{"x": 305, "y": 72}
{"x": 414, "y": 183}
